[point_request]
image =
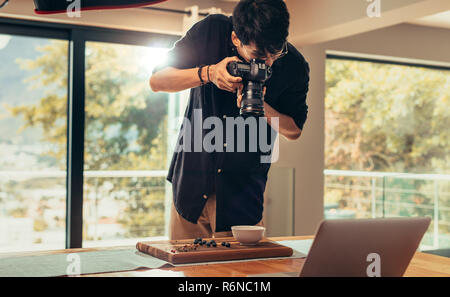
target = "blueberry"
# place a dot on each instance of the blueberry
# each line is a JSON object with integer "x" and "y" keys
{"x": 227, "y": 244}
{"x": 224, "y": 243}
{"x": 214, "y": 244}
{"x": 208, "y": 244}
{"x": 204, "y": 242}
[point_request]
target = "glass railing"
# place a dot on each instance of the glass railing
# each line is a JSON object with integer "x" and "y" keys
{"x": 32, "y": 210}
{"x": 119, "y": 208}
{"x": 122, "y": 207}
{"x": 359, "y": 194}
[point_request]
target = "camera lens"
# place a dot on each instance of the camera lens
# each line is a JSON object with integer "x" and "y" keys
{"x": 252, "y": 103}
{"x": 254, "y": 75}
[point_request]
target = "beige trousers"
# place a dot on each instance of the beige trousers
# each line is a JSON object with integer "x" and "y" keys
{"x": 180, "y": 228}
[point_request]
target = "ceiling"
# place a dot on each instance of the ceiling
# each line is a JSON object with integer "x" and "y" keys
{"x": 312, "y": 21}
{"x": 440, "y": 20}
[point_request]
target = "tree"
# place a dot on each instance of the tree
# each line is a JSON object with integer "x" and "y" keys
{"x": 125, "y": 122}
{"x": 388, "y": 118}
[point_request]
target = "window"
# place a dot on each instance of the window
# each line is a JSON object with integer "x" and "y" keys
{"x": 33, "y": 98}
{"x": 387, "y": 143}
{"x": 55, "y": 79}
{"x": 126, "y": 148}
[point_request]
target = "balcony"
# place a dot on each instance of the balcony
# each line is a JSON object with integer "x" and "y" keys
{"x": 119, "y": 208}
{"x": 358, "y": 194}
{"x": 33, "y": 209}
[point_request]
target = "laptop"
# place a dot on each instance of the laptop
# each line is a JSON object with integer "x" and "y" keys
{"x": 363, "y": 247}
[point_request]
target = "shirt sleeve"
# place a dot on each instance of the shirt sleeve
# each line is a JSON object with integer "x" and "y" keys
{"x": 185, "y": 52}
{"x": 293, "y": 99}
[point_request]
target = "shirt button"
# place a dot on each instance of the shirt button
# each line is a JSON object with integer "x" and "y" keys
{"x": 205, "y": 196}
{"x": 225, "y": 145}
{"x": 224, "y": 116}
{"x": 219, "y": 170}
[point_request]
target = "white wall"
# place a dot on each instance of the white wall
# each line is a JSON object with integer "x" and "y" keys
{"x": 305, "y": 155}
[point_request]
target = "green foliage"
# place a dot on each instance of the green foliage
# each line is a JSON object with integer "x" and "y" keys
{"x": 144, "y": 197}
{"x": 123, "y": 116}
{"x": 126, "y": 123}
{"x": 50, "y": 113}
{"x": 387, "y": 118}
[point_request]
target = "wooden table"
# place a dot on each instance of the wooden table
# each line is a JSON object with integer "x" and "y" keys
{"x": 422, "y": 265}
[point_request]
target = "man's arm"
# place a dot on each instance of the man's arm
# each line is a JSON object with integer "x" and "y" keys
{"x": 291, "y": 108}
{"x": 171, "y": 79}
{"x": 286, "y": 124}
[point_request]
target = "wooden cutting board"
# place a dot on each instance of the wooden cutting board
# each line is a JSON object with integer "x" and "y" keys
{"x": 172, "y": 250}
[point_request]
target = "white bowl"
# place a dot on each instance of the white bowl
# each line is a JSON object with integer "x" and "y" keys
{"x": 248, "y": 235}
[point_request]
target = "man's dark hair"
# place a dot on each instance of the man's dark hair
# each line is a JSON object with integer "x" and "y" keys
{"x": 264, "y": 22}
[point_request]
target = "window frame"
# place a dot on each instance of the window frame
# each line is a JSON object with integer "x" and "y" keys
{"x": 77, "y": 36}
{"x": 385, "y": 61}
{"x": 434, "y": 65}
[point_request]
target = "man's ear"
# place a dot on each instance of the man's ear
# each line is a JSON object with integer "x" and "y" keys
{"x": 235, "y": 39}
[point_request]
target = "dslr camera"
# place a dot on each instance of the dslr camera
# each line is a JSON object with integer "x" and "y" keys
{"x": 254, "y": 75}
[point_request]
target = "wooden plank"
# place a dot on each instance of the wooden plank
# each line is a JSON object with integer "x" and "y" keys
{"x": 172, "y": 250}
{"x": 240, "y": 269}
{"x": 423, "y": 264}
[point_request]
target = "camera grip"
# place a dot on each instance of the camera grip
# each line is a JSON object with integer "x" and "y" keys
{"x": 232, "y": 68}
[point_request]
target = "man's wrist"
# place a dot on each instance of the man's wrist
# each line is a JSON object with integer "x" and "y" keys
{"x": 211, "y": 71}
{"x": 200, "y": 74}
{"x": 205, "y": 74}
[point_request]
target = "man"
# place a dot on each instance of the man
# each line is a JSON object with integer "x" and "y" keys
{"x": 216, "y": 190}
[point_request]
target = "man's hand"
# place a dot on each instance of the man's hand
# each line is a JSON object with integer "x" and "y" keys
{"x": 219, "y": 75}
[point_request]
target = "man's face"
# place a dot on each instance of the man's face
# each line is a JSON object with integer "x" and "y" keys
{"x": 250, "y": 51}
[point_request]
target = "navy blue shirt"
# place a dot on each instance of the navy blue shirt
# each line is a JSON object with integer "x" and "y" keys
{"x": 237, "y": 178}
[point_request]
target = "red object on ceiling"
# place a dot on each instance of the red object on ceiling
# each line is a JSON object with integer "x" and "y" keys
{"x": 61, "y": 6}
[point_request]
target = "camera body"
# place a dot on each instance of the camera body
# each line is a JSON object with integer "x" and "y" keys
{"x": 254, "y": 75}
